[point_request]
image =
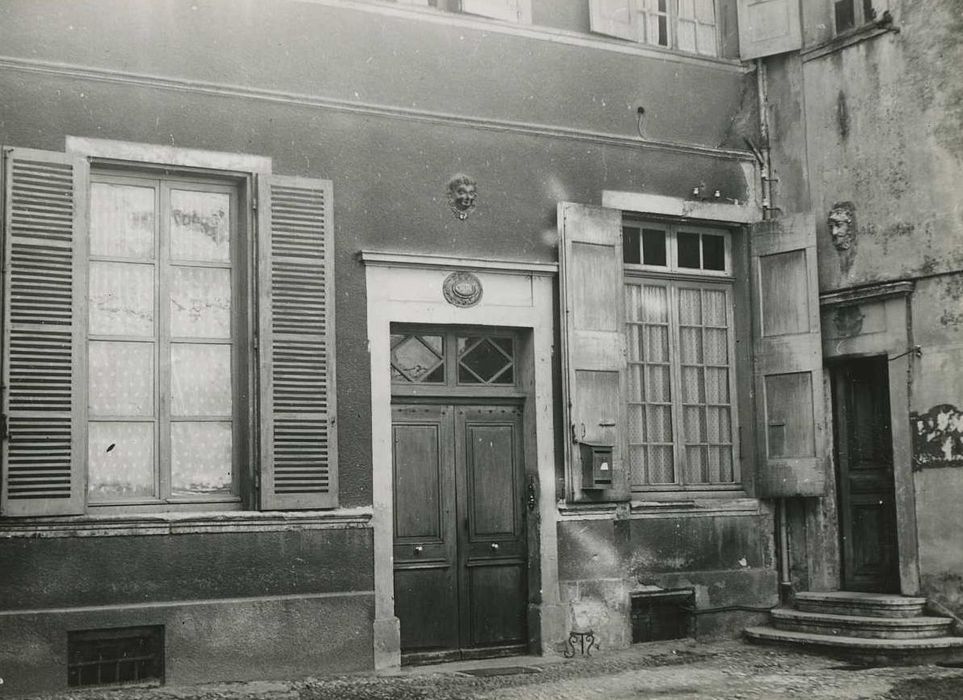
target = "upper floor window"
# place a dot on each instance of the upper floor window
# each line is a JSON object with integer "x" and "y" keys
{"x": 849, "y": 14}
{"x": 507, "y": 10}
{"x": 685, "y": 25}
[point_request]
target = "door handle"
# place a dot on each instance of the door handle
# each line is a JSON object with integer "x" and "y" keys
{"x": 494, "y": 546}
{"x": 419, "y": 549}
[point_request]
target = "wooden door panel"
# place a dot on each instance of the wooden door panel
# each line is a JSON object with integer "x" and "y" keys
{"x": 492, "y": 551}
{"x": 864, "y": 461}
{"x": 426, "y": 603}
{"x": 498, "y": 603}
{"x": 425, "y": 535}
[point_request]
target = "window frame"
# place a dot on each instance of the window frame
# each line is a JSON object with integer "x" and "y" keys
{"x": 243, "y": 365}
{"x": 859, "y": 12}
{"x": 674, "y": 278}
{"x": 522, "y": 14}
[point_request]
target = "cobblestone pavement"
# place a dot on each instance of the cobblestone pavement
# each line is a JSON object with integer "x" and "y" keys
{"x": 676, "y": 671}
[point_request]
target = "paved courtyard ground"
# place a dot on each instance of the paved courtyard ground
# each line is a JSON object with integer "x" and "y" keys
{"x": 683, "y": 670}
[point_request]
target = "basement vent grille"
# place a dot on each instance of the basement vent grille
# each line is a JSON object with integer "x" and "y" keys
{"x": 662, "y": 615}
{"x": 115, "y": 656}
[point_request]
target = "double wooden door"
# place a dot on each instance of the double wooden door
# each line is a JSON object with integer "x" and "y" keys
{"x": 864, "y": 459}
{"x": 459, "y": 529}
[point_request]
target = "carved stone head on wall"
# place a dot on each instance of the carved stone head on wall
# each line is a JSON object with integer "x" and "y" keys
{"x": 842, "y": 225}
{"x": 462, "y": 193}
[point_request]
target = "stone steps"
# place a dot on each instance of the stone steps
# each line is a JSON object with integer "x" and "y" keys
{"x": 861, "y": 627}
{"x": 867, "y": 628}
{"x": 860, "y": 604}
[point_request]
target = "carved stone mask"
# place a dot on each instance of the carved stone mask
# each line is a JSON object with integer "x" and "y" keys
{"x": 462, "y": 194}
{"x": 842, "y": 225}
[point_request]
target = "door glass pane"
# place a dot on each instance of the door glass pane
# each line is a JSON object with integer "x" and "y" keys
{"x": 121, "y": 379}
{"x": 483, "y": 360}
{"x": 417, "y": 358}
{"x": 706, "y": 45}
{"x": 686, "y": 33}
{"x": 200, "y": 226}
{"x": 200, "y": 301}
{"x": 121, "y": 220}
{"x": 201, "y": 458}
{"x": 200, "y": 380}
{"x": 121, "y": 299}
{"x": 120, "y": 460}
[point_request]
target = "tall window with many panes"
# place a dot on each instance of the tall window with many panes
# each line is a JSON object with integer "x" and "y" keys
{"x": 161, "y": 341}
{"x": 680, "y": 345}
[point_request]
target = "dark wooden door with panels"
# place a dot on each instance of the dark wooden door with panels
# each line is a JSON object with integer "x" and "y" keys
{"x": 460, "y": 559}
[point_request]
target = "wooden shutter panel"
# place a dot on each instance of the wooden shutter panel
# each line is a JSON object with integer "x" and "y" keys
{"x": 788, "y": 359}
{"x": 507, "y": 10}
{"x": 614, "y": 18}
{"x": 44, "y": 217}
{"x": 768, "y": 27}
{"x": 593, "y": 340}
{"x": 299, "y": 458}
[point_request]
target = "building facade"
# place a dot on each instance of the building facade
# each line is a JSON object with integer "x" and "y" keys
{"x": 339, "y": 334}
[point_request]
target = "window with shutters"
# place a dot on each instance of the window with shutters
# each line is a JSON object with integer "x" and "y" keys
{"x": 681, "y": 417}
{"x": 155, "y": 334}
{"x": 684, "y": 25}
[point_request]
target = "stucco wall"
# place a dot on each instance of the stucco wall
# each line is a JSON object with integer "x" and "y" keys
{"x": 877, "y": 124}
{"x": 725, "y": 560}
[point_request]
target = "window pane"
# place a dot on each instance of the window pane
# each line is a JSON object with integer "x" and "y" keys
{"x": 713, "y": 252}
{"x": 630, "y": 245}
{"x": 656, "y": 343}
{"x": 716, "y": 346}
{"x": 693, "y": 385}
{"x": 715, "y": 308}
{"x": 200, "y": 380}
{"x": 201, "y": 458}
{"x": 200, "y": 226}
{"x": 717, "y": 385}
{"x": 657, "y": 383}
{"x": 690, "y": 307}
{"x": 688, "y": 250}
{"x": 845, "y": 15}
{"x": 706, "y": 44}
{"x": 661, "y": 469}
{"x": 417, "y": 358}
{"x": 120, "y": 460}
{"x": 121, "y": 379}
{"x": 685, "y": 9}
{"x": 686, "y": 33}
{"x": 653, "y": 247}
{"x": 200, "y": 302}
{"x": 655, "y": 305}
{"x": 121, "y": 299}
{"x": 705, "y": 11}
{"x": 121, "y": 221}
{"x": 691, "y": 345}
{"x": 482, "y": 361}
{"x": 663, "y": 32}
{"x": 659, "y": 424}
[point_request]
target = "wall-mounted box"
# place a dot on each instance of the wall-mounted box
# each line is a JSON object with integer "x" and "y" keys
{"x": 597, "y": 465}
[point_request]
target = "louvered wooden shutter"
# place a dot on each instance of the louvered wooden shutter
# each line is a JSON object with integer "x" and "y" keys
{"x": 768, "y": 27}
{"x": 299, "y": 464}
{"x": 788, "y": 372}
{"x": 593, "y": 340}
{"x": 617, "y": 18}
{"x": 44, "y": 248}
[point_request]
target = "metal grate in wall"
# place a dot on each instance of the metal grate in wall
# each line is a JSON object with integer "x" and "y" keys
{"x": 115, "y": 656}
{"x": 662, "y": 615}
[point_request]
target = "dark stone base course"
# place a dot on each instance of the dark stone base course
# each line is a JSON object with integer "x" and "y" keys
{"x": 282, "y": 638}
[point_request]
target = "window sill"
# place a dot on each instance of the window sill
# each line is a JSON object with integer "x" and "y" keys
{"x": 884, "y": 25}
{"x": 696, "y": 504}
{"x": 184, "y": 523}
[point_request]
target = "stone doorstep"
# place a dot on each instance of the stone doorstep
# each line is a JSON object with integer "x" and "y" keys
{"x": 860, "y": 643}
{"x": 860, "y": 626}
{"x": 860, "y": 604}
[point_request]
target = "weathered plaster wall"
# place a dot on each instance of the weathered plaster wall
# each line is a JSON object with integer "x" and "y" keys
{"x": 726, "y": 560}
{"x": 883, "y": 131}
{"x": 877, "y": 124}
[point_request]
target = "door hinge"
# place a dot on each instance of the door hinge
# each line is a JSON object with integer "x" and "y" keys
{"x": 4, "y": 427}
